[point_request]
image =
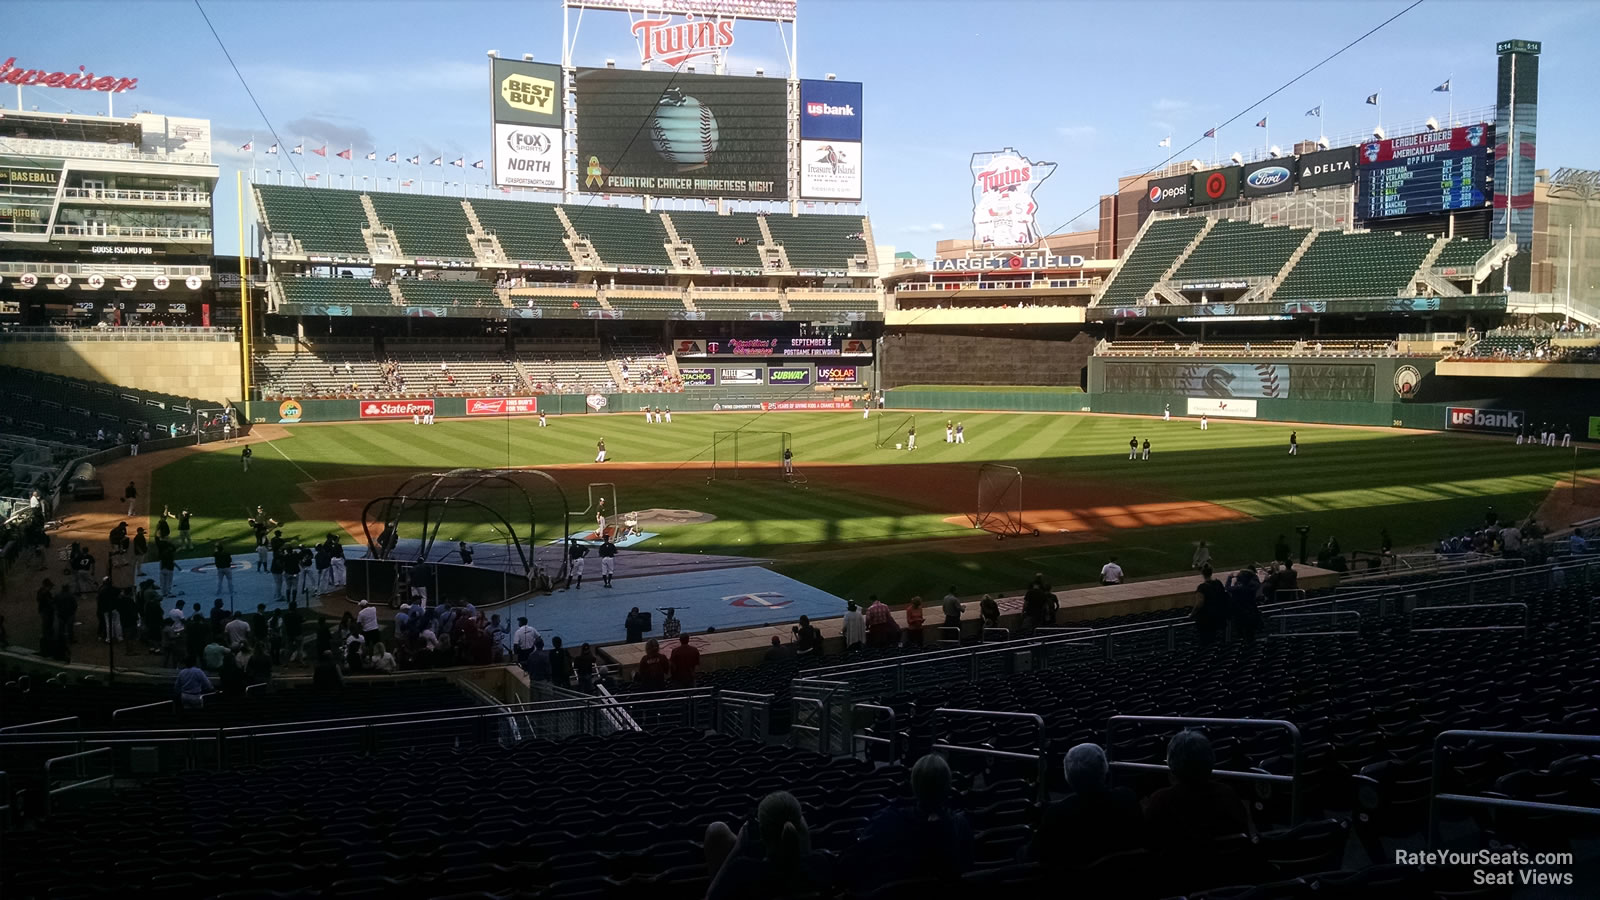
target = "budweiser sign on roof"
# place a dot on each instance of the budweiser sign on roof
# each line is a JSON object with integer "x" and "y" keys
{"x": 660, "y": 40}
{"x": 83, "y": 79}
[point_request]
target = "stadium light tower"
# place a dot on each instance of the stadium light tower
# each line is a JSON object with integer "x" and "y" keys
{"x": 1378, "y": 133}
{"x": 527, "y": 57}
{"x": 1236, "y": 159}
{"x": 1432, "y": 124}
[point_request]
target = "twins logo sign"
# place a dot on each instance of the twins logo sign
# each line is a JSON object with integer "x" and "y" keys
{"x": 1003, "y": 208}
{"x": 759, "y": 600}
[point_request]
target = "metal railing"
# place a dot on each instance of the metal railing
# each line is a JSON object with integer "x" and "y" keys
{"x": 1296, "y": 788}
{"x": 91, "y": 150}
{"x": 1039, "y": 757}
{"x": 110, "y": 270}
{"x": 1441, "y": 758}
{"x": 177, "y": 196}
{"x": 108, "y": 230}
{"x": 30, "y": 726}
{"x": 78, "y": 761}
{"x": 883, "y": 721}
{"x": 1280, "y": 623}
{"x": 1523, "y": 607}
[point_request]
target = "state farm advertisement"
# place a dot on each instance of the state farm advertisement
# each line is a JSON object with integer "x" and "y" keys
{"x": 395, "y": 409}
{"x": 502, "y": 406}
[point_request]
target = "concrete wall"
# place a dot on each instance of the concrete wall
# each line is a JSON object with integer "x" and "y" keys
{"x": 208, "y": 370}
{"x": 986, "y": 356}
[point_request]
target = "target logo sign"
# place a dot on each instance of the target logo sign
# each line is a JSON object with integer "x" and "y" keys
{"x": 1216, "y": 185}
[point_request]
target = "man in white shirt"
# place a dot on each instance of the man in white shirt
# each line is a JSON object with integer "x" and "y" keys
{"x": 855, "y": 627}
{"x": 238, "y": 631}
{"x": 367, "y": 622}
{"x": 523, "y": 638}
{"x": 1111, "y": 573}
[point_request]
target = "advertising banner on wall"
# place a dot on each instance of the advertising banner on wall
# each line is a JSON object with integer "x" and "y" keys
{"x": 1216, "y": 186}
{"x": 1222, "y": 409}
{"x": 1269, "y": 176}
{"x": 681, "y": 135}
{"x": 502, "y": 406}
{"x": 1496, "y": 421}
{"x": 740, "y": 376}
{"x": 830, "y": 110}
{"x": 1169, "y": 193}
{"x": 780, "y": 405}
{"x": 837, "y": 375}
{"x": 1466, "y": 137}
{"x": 395, "y": 409}
{"x": 525, "y": 108}
{"x": 705, "y": 377}
{"x": 1326, "y": 168}
{"x": 795, "y": 376}
{"x": 830, "y": 170}
{"x": 1003, "y": 207}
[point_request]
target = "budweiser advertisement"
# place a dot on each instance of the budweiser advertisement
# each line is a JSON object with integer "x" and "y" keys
{"x": 395, "y": 409}
{"x": 1003, "y": 207}
{"x": 673, "y": 134}
{"x": 502, "y": 406}
{"x": 1496, "y": 421}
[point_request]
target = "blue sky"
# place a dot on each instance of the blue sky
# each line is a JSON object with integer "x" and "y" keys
{"x": 1092, "y": 87}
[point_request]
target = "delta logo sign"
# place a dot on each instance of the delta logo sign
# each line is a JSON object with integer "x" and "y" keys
{"x": 403, "y": 409}
{"x": 660, "y": 40}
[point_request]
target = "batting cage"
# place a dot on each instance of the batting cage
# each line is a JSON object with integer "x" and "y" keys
{"x": 738, "y": 455}
{"x": 892, "y": 428}
{"x": 999, "y": 507}
{"x": 599, "y": 519}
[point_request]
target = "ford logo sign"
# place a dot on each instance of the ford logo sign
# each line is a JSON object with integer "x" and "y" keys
{"x": 1271, "y": 176}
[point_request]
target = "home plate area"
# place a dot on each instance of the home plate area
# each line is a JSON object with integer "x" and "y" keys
{"x": 709, "y": 598}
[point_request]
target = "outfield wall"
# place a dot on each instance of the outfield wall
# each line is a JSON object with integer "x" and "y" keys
{"x": 295, "y": 411}
{"x": 186, "y": 367}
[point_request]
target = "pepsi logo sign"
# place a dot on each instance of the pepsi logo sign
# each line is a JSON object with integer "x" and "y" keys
{"x": 1272, "y": 176}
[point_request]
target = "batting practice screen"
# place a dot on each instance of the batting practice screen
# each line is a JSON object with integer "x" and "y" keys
{"x": 670, "y": 134}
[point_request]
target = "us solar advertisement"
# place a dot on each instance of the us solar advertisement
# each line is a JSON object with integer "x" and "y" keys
{"x": 673, "y": 134}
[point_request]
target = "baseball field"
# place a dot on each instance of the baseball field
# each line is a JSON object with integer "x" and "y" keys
{"x": 873, "y": 519}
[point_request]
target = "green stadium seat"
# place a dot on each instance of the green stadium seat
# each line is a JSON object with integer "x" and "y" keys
{"x": 528, "y": 232}
{"x": 335, "y": 292}
{"x": 716, "y": 238}
{"x": 1352, "y": 265}
{"x": 819, "y": 242}
{"x": 1462, "y": 253}
{"x": 327, "y": 222}
{"x": 426, "y": 227}
{"x": 448, "y": 293}
{"x": 1148, "y": 258}
{"x": 630, "y": 238}
{"x": 1240, "y": 250}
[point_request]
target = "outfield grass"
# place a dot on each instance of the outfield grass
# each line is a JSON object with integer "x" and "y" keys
{"x": 1348, "y": 482}
{"x": 994, "y": 388}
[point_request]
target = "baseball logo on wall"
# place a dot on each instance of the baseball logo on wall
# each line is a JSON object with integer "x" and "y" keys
{"x": 1406, "y": 379}
{"x": 707, "y": 135}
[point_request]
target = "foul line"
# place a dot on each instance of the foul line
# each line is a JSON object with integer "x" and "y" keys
{"x": 291, "y": 462}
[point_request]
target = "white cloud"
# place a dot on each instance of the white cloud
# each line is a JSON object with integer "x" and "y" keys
{"x": 1077, "y": 132}
{"x": 296, "y": 83}
{"x": 1171, "y": 104}
{"x": 930, "y": 228}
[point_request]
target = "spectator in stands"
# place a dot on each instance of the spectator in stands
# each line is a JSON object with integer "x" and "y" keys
{"x": 881, "y": 628}
{"x": 561, "y": 663}
{"x": 1111, "y": 573}
{"x": 584, "y": 667}
{"x": 855, "y": 627}
{"x": 989, "y": 612}
{"x": 1575, "y": 544}
{"x": 1243, "y": 588}
{"x": 918, "y": 839}
{"x": 634, "y": 626}
{"x": 651, "y": 674}
{"x": 367, "y": 622}
{"x": 1035, "y": 603}
{"x": 807, "y": 639}
{"x": 293, "y": 633}
{"x": 1197, "y": 807}
{"x": 382, "y": 660}
{"x": 523, "y": 640}
{"x": 326, "y": 676}
{"x": 1284, "y": 579}
{"x": 914, "y": 620}
{"x": 780, "y": 865}
{"x": 258, "y": 666}
{"x": 1210, "y": 615}
{"x": 211, "y": 656}
{"x": 1094, "y": 819}
{"x": 684, "y": 663}
{"x": 191, "y": 685}
{"x": 952, "y": 609}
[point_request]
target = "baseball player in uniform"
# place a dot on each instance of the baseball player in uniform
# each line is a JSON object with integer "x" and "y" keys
{"x": 576, "y": 553}
{"x": 949, "y": 432}
{"x": 1146, "y": 449}
{"x": 1203, "y": 423}
{"x": 649, "y": 416}
{"x": 961, "y": 433}
{"x": 1166, "y": 412}
{"x": 911, "y": 438}
{"x": 608, "y": 561}
{"x": 668, "y": 413}
{"x": 788, "y": 461}
{"x": 1294, "y": 443}
{"x": 866, "y": 408}
{"x": 600, "y": 447}
{"x": 1133, "y": 448}
{"x": 542, "y": 422}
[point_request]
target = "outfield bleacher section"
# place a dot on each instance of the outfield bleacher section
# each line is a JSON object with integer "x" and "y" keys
{"x": 425, "y": 226}
{"x": 1149, "y": 258}
{"x": 629, "y": 238}
{"x": 1462, "y": 253}
{"x": 1240, "y": 250}
{"x": 528, "y": 232}
{"x": 326, "y": 222}
{"x": 822, "y": 243}
{"x": 644, "y": 300}
{"x": 1346, "y": 264}
{"x": 74, "y": 410}
{"x": 716, "y": 238}
{"x": 335, "y": 292}
{"x": 423, "y": 292}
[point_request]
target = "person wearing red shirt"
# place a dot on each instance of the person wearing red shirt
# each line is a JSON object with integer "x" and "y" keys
{"x": 685, "y": 659}
{"x": 914, "y": 622}
{"x": 652, "y": 672}
{"x": 880, "y": 624}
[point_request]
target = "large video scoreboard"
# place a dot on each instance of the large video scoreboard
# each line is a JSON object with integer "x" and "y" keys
{"x": 1427, "y": 173}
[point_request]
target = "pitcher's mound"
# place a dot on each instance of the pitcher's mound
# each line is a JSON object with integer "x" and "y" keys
{"x": 674, "y": 517}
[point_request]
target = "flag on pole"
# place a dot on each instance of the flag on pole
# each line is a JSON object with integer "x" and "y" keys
{"x": 505, "y": 190}
{"x": 1372, "y": 100}
{"x": 1315, "y": 111}
{"x": 299, "y": 149}
{"x": 321, "y": 151}
{"x": 1211, "y": 132}
{"x": 1262, "y": 123}
{"x": 1166, "y": 141}
{"x": 478, "y": 164}
{"x": 312, "y": 177}
{"x": 1443, "y": 88}
{"x": 437, "y": 161}
{"x": 273, "y": 150}
{"x": 345, "y": 153}
{"x": 393, "y": 157}
{"x": 372, "y": 156}
{"x": 460, "y": 162}
{"x": 248, "y": 145}
{"x": 415, "y": 160}
{"x": 407, "y": 183}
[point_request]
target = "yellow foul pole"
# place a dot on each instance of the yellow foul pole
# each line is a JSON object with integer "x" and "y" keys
{"x": 244, "y": 300}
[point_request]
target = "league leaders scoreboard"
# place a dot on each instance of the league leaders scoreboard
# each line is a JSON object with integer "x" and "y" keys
{"x": 1422, "y": 174}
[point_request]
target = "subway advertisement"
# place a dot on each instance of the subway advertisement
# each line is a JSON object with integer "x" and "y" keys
{"x": 672, "y": 134}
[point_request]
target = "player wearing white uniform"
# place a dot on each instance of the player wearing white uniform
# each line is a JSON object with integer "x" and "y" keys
{"x": 600, "y": 447}
{"x": 416, "y": 419}
{"x": 911, "y": 438}
{"x": 1166, "y": 412}
{"x": 949, "y": 432}
{"x": 1203, "y": 423}
{"x": 1294, "y": 443}
{"x": 542, "y": 422}
{"x": 866, "y": 409}
{"x": 961, "y": 433}
{"x": 1566, "y": 437}
{"x": 648, "y": 415}
{"x": 669, "y": 415}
